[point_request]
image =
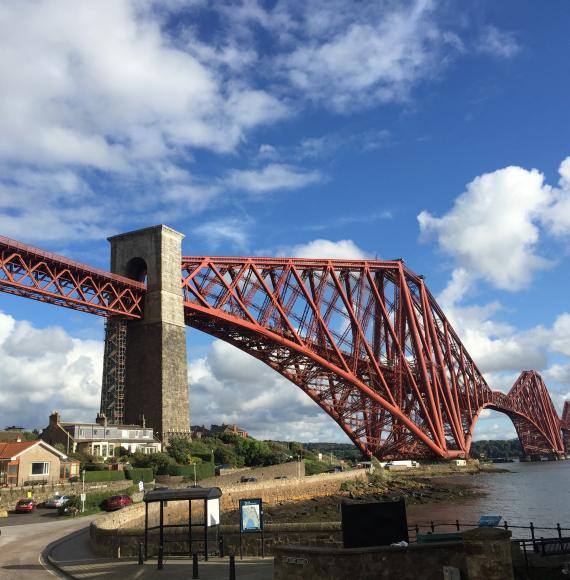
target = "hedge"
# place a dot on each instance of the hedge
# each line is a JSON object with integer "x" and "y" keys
{"x": 104, "y": 476}
{"x": 203, "y": 470}
{"x": 140, "y": 474}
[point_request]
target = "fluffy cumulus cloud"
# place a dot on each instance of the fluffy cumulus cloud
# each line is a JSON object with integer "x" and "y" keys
{"x": 502, "y": 351}
{"x": 230, "y": 386}
{"x": 494, "y": 228}
{"x": 342, "y": 249}
{"x": 102, "y": 85}
{"x": 42, "y": 369}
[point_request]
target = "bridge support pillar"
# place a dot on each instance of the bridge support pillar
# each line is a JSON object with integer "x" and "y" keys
{"x": 156, "y": 377}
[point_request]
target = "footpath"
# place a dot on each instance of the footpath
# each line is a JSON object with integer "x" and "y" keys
{"x": 73, "y": 557}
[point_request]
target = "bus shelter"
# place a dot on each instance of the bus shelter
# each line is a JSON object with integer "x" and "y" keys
{"x": 208, "y": 497}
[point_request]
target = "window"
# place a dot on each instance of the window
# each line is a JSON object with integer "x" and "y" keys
{"x": 12, "y": 469}
{"x": 40, "y": 468}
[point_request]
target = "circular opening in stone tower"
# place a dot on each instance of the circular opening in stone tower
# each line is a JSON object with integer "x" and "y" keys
{"x": 137, "y": 269}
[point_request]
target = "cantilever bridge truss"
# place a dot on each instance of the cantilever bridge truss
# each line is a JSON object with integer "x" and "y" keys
{"x": 364, "y": 339}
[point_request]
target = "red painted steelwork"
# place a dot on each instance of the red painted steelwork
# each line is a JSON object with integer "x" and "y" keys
{"x": 367, "y": 342}
{"x": 364, "y": 339}
{"x": 32, "y": 273}
{"x": 565, "y": 424}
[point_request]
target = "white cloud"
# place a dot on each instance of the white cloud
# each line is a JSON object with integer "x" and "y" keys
{"x": 557, "y": 216}
{"x": 270, "y": 178}
{"x": 499, "y": 43}
{"x": 230, "y": 386}
{"x": 42, "y": 369}
{"x": 103, "y": 86}
{"x": 342, "y": 249}
{"x": 346, "y": 58}
{"x": 232, "y": 230}
{"x": 494, "y": 228}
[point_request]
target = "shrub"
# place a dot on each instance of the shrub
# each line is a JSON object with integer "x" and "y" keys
{"x": 104, "y": 476}
{"x": 203, "y": 470}
{"x": 179, "y": 449}
{"x": 137, "y": 474}
{"x": 175, "y": 469}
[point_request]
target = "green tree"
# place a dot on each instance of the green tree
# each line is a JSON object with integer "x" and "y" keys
{"x": 180, "y": 449}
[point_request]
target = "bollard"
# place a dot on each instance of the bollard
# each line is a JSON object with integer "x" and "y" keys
{"x": 457, "y": 525}
{"x": 232, "y": 567}
{"x": 432, "y": 527}
{"x": 160, "y": 554}
{"x": 559, "y": 530}
{"x": 141, "y": 561}
{"x": 195, "y": 572}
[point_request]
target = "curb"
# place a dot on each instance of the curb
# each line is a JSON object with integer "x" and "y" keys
{"x": 48, "y": 561}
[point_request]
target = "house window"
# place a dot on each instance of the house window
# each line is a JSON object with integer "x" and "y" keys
{"x": 40, "y": 468}
{"x": 13, "y": 469}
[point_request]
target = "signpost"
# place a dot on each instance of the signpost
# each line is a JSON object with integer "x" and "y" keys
{"x": 251, "y": 521}
{"x": 83, "y": 497}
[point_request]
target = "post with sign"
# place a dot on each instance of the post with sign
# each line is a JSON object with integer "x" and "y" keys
{"x": 251, "y": 521}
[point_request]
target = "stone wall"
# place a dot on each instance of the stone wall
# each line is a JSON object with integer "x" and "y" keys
{"x": 121, "y": 532}
{"x": 10, "y": 495}
{"x": 484, "y": 554}
{"x": 291, "y": 470}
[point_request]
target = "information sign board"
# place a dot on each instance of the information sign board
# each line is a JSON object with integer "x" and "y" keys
{"x": 250, "y": 515}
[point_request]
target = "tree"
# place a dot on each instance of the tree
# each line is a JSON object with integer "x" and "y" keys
{"x": 180, "y": 449}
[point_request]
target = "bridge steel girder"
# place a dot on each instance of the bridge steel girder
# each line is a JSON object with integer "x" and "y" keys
{"x": 364, "y": 339}
{"x": 565, "y": 425}
{"x": 369, "y": 344}
{"x": 32, "y": 273}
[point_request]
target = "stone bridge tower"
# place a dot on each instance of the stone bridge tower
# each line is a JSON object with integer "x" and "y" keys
{"x": 145, "y": 368}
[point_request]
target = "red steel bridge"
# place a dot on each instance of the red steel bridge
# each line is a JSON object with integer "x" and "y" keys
{"x": 366, "y": 340}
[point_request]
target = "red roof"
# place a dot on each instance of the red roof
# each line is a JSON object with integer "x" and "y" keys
{"x": 9, "y": 450}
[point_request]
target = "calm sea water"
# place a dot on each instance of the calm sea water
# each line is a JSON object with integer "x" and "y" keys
{"x": 530, "y": 492}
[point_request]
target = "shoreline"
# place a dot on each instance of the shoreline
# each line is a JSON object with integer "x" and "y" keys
{"x": 430, "y": 486}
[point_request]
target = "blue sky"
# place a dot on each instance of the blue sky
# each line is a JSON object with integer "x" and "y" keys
{"x": 433, "y": 131}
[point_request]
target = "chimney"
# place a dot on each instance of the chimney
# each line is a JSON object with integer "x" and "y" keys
{"x": 54, "y": 418}
{"x": 101, "y": 419}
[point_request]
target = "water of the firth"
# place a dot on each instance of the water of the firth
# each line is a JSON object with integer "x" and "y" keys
{"x": 530, "y": 492}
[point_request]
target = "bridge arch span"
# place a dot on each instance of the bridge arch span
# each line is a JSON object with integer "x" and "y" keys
{"x": 365, "y": 339}
{"x": 367, "y": 342}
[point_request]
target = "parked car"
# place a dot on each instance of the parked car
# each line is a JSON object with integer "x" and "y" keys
{"x": 246, "y": 479}
{"x": 56, "y": 501}
{"x": 25, "y": 506}
{"x": 280, "y": 477}
{"x": 117, "y": 502}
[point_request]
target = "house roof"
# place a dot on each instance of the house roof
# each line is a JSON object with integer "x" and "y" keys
{"x": 11, "y": 451}
{"x": 10, "y": 436}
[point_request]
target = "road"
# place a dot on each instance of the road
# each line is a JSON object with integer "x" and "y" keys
{"x": 25, "y": 536}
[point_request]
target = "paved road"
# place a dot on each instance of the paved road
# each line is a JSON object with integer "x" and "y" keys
{"x": 21, "y": 544}
{"x": 38, "y": 516}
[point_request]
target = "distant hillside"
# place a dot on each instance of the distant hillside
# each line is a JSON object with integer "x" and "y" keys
{"x": 490, "y": 449}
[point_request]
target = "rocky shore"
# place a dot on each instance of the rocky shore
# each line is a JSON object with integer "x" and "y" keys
{"x": 382, "y": 486}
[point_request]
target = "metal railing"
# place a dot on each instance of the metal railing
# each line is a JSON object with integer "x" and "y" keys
{"x": 458, "y": 526}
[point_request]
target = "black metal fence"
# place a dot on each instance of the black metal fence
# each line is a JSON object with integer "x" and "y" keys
{"x": 530, "y": 532}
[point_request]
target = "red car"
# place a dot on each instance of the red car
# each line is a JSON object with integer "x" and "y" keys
{"x": 117, "y": 502}
{"x": 25, "y": 506}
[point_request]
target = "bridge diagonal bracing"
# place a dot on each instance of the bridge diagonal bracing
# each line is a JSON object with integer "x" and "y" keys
{"x": 32, "y": 273}
{"x": 365, "y": 340}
